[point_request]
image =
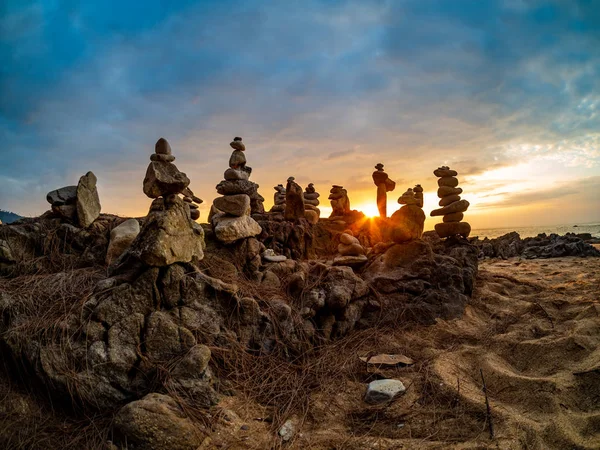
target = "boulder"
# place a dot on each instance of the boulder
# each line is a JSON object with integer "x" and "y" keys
{"x": 452, "y": 229}
{"x": 351, "y": 249}
{"x": 235, "y": 174}
{"x": 408, "y": 223}
{"x": 121, "y": 238}
{"x": 459, "y": 206}
{"x": 168, "y": 234}
{"x": 156, "y": 422}
{"x": 88, "y": 202}
{"x": 163, "y": 178}
{"x": 448, "y": 181}
{"x": 231, "y": 229}
{"x": 236, "y": 205}
{"x": 62, "y": 196}
{"x": 381, "y": 391}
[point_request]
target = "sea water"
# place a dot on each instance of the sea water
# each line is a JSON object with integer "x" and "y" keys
{"x": 592, "y": 228}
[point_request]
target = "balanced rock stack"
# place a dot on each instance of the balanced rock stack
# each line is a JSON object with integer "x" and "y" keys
{"x": 340, "y": 203}
{"x": 409, "y": 220}
{"x": 278, "y": 199}
{"x": 79, "y": 204}
{"x": 231, "y": 219}
{"x": 193, "y": 202}
{"x": 169, "y": 234}
{"x": 237, "y": 178}
{"x": 311, "y": 203}
{"x": 452, "y": 205}
{"x": 351, "y": 252}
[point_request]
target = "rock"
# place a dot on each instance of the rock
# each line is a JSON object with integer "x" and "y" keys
{"x": 194, "y": 214}
{"x": 164, "y": 178}
{"x": 348, "y": 239}
{"x": 404, "y": 254}
{"x": 449, "y": 199}
{"x": 351, "y": 249}
{"x": 294, "y": 201}
{"x": 452, "y": 229}
{"x": 6, "y": 255}
{"x": 194, "y": 363}
{"x": 287, "y": 430}
{"x": 237, "y": 144}
{"x": 381, "y": 391}
{"x": 168, "y": 234}
{"x": 161, "y": 157}
{"x": 231, "y": 229}
{"x": 311, "y": 216}
{"x": 88, "y": 202}
{"x": 121, "y": 238}
{"x": 350, "y": 261}
{"x": 340, "y": 203}
{"x": 459, "y": 206}
{"x": 62, "y": 196}
{"x": 312, "y": 196}
{"x": 237, "y": 159}
{"x": 445, "y": 191}
{"x": 454, "y": 217}
{"x": 237, "y": 205}
{"x": 448, "y": 181}
{"x": 156, "y": 422}
{"x": 235, "y": 174}
{"x": 162, "y": 147}
{"x": 408, "y": 223}
{"x": 270, "y": 256}
{"x": 445, "y": 173}
{"x": 67, "y": 211}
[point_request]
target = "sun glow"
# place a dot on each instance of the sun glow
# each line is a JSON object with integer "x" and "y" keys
{"x": 369, "y": 209}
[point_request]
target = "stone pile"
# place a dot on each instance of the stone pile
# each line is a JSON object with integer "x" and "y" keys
{"x": 231, "y": 219}
{"x": 79, "y": 204}
{"x": 452, "y": 207}
{"x": 409, "y": 220}
{"x": 340, "y": 203}
{"x": 278, "y": 199}
{"x": 169, "y": 234}
{"x": 384, "y": 185}
{"x": 237, "y": 181}
{"x": 311, "y": 203}
{"x": 351, "y": 252}
{"x": 294, "y": 201}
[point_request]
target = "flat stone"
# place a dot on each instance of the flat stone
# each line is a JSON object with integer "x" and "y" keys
{"x": 88, "y": 201}
{"x": 454, "y": 217}
{"x": 162, "y": 147}
{"x": 235, "y": 174}
{"x": 238, "y": 145}
{"x": 270, "y": 256}
{"x": 236, "y": 205}
{"x": 231, "y": 229}
{"x": 445, "y": 173}
{"x": 163, "y": 178}
{"x": 459, "y": 206}
{"x": 62, "y": 196}
{"x": 381, "y": 391}
{"x": 121, "y": 238}
{"x": 452, "y": 229}
{"x": 311, "y": 195}
{"x": 197, "y": 200}
{"x": 448, "y": 181}
{"x": 449, "y": 199}
{"x": 161, "y": 157}
{"x": 311, "y": 202}
{"x": 350, "y": 261}
{"x": 445, "y": 191}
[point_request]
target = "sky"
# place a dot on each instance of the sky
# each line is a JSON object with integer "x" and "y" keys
{"x": 506, "y": 92}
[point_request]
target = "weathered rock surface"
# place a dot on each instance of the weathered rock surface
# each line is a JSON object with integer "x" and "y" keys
{"x": 168, "y": 235}
{"x": 231, "y": 229}
{"x": 121, "y": 238}
{"x": 294, "y": 201}
{"x": 156, "y": 422}
{"x": 459, "y": 206}
{"x": 448, "y": 229}
{"x": 164, "y": 178}
{"x": 382, "y": 391}
{"x": 62, "y": 196}
{"x": 408, "y": 223}
{"x": 236, "y": 205}
{"x": 448, "y": 181}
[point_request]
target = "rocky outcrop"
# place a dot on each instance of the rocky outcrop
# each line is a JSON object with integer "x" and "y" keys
{"x": 79, "y": 204}
{"x": 542, "y": 246}
{"x": 294, "y": 201}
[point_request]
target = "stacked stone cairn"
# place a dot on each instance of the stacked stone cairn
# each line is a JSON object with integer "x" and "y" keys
{"x": 169, "y": 234}
{"x": 294, "y": 201}
{"x": 78, "y": 204}
{"x": 237, "y": 179}
{"x": 409, "y": 220}
{"x": 311, "y": 203}
{"x": 340, "y": 203}
{"x": 452, "y": 207}
{"x": 230, "y": 217}
{"x": 278, "y": 199}
{"x": 351, "y": 252}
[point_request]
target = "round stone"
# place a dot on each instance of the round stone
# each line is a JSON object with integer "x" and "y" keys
{"x": 162, "y": 147}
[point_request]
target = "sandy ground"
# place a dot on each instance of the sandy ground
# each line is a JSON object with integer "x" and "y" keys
{"x": 533, "y": 328}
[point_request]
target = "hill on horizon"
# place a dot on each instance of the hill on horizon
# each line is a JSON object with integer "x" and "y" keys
{"x": 8, "y": 217}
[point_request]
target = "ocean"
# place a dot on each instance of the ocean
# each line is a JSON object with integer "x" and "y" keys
{"x": 592, "y": 228}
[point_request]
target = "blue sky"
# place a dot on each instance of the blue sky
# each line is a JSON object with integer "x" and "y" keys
{"x": 506, "y": 92}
